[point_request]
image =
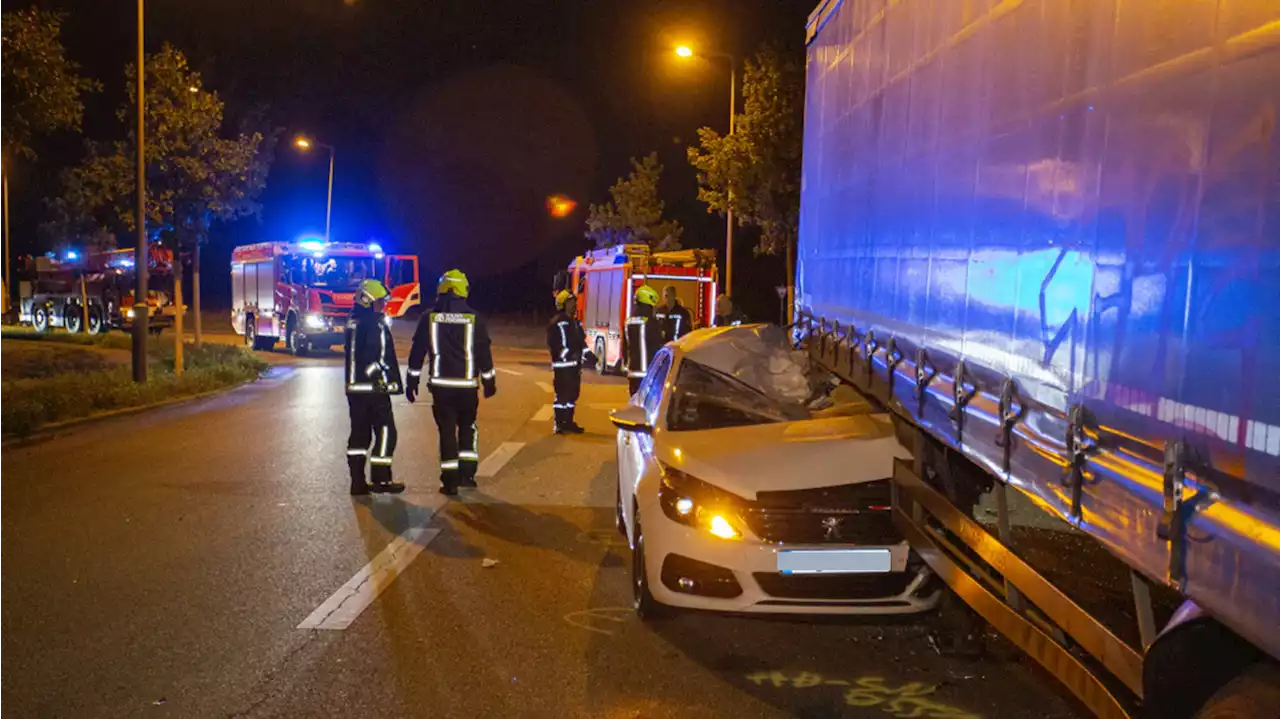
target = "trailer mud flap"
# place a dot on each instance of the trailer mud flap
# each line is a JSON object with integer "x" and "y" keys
{"x": 926, "y": 518}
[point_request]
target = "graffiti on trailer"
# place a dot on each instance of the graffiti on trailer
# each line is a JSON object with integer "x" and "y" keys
{"x": 910, "y": 700}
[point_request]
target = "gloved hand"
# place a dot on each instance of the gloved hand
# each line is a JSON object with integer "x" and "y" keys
{"x": 490, "y": 387}
{"x": 411, "y": 389}
{"x": 589, "y": 359}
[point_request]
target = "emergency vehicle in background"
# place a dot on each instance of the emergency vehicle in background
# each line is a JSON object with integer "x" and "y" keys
{"x": 301, "y": 292}
{"x": 54, "y": 292}
{"x": 605, "y": 281}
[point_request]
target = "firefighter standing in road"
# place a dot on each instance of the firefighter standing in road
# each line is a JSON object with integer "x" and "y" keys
{"x": 644, "y": 336}
{"x": 726, "y": 314}
{"x": 568, "y": 345}
{"x": 676, "y": 319}
{"x": 453, "y": 341}
{"x": 372, "y": 376}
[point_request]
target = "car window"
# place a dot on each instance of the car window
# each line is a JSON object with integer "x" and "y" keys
{"x": 651, "y": 387}
{"x": 706, "y": 398}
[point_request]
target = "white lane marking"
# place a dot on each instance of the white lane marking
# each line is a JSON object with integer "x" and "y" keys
{"x": 504, "y": 370}
{"x": 545, "y": 387}
{"x": 544, "y": 414}
{"x": 340, "y": 610}
{"x": 496, "y": 461}
{"x": 607, "y": 405}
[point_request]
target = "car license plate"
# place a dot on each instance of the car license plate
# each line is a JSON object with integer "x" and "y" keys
{"x": 833, "y": 561}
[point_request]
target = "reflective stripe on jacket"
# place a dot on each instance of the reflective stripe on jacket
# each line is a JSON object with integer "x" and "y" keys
{"x": 566, "y": 341}
{"x": 452, "y": 343}
{"x": 370, "y": 365}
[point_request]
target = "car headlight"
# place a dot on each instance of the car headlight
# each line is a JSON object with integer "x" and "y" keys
{"x": 694, "y": 503}
{"x": 315, "y": 322}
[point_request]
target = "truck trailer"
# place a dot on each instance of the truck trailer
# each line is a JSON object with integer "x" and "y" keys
{"x": 1046, "y": 235}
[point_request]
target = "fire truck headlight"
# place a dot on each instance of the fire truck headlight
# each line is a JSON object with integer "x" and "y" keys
{"x": 315, "y": 322}
{"x": 128, "y": 313}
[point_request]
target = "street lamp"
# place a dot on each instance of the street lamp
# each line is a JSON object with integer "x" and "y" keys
{"x": 684, "y": 51}
{"x": 304, "y": 144}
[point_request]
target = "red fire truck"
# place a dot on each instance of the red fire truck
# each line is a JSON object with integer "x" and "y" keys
{"x": 301, "y": 292}
{"x": 55, "y": 292}
{"x": 605, "y": 281}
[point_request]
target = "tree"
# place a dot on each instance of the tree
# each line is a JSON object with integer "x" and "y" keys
{"x": 756, "y": 170}
{"x": 194, "y": 175}
{"x": 42, "y": 91}
{"x": 634, "y": 215}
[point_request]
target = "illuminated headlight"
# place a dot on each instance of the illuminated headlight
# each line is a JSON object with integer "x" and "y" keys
{"x": 315, "y": 322}
{"x": 694, "y": 503}
{"x": 129, "y": 313}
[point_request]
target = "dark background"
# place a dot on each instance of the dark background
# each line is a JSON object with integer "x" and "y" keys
{"x": 453, "y": 121}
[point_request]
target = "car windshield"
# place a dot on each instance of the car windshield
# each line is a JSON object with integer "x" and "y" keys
{"x": 706, "y": 398}
{"x": 340, "y": 273}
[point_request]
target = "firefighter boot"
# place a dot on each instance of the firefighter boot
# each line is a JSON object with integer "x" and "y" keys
{"x": 449, "y": 482}
{"x": 571, "y": 426}
{"x": 358, "y": 486}
{"x": 381, "y": 481}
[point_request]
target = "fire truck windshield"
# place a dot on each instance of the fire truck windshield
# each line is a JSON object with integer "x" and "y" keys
{"x": 339, "y": 273}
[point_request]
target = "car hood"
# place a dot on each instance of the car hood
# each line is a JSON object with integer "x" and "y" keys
{"x": 781, "y": 456}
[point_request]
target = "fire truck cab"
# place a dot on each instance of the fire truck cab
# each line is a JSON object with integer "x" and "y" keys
{"x": 302, "y": 292}
{"x": 605, "y": 281}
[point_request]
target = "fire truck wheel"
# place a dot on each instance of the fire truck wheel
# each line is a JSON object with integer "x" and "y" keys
{"x": 72, "y": 318}
{"x": 40, "y": 319}
{"x": 250, "y": 332}
{"x": 601, "y": 368}
{"x": 95, "y": 320}
{"x": 296, "y": 343}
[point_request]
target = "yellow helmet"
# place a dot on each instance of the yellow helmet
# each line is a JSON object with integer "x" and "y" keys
{"x": 371, "y": 291}
{"x": 646, "y": 295}
{"x": 454, "y": 281}
{"x": 562, "y": 298}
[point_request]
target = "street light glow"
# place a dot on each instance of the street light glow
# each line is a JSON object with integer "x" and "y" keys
{"x": 303, "y": 143}
{"x": 684, "y": 51}
{"x": 193, "y": 88}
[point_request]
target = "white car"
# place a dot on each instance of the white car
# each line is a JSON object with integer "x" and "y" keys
{"x": 733, "y": 501}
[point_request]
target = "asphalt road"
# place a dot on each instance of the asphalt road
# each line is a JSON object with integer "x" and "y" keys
{"x": 160, "y": 566}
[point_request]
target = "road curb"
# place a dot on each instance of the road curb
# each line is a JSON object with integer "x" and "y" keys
{"x": 49, "y": 431}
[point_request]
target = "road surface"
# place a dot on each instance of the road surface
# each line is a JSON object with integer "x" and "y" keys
{"x": 205, "y": 561}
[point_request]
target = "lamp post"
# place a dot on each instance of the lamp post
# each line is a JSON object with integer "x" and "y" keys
{"x": 141, "y": 308}
{"x": 303, "y": 143}
{"x": 684, "y": 51}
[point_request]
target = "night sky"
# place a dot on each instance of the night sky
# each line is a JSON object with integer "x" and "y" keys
{"x": 453, "y": 120}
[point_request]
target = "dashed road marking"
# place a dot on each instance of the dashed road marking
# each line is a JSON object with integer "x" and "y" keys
{"x": 544, "y": 414}
{"x": 341, "y": 609}
{"x": 504, "y": 370}
{"x": 490, "y": 466}
{"x": 545, "y": 387}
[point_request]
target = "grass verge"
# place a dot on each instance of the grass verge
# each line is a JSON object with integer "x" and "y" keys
{"x": 29, "y": 404}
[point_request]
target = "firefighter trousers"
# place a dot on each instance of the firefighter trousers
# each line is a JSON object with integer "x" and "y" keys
{"x": 567, "y": 382}
{"x": 373, "y": 436}
{"x": 455, "y": 411}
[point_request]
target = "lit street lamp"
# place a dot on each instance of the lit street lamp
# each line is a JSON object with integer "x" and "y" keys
{"x": 684, "y": 51}
{"x": 303, "y": 143}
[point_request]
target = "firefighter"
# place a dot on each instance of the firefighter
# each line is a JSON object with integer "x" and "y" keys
{"x": 726, "y": 314}
{"x": 372, "y": 376}
{"x": 568, "y": 345}
{"x": 644, "y": 336}
{"x": 676, "y": 318}
{"x": 453, "y": 342}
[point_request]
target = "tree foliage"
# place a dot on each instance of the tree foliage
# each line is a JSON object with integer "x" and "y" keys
{"x": 195, "y": 176}
{"x": 42, "y": 90}
{"x": 634, "y": 215}
{"x": 756, "y": 170}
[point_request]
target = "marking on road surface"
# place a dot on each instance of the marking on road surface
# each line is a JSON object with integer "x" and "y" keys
{"x": 907, "y": 700}
{"x": 618, "y": 615}
{"x": 340, "y": 610}
{"x": 504, "y": 370}
{"x": 545, "y": 387}
{"x": 607, "y": 405}
{"x": 494, "y": 462}
{"x": 544, "y": 414}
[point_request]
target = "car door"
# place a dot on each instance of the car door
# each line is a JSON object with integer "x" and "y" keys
{"x": 635, "y": 449}
{"x": 401, "y": 274}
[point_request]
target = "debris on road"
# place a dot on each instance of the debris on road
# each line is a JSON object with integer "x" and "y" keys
{"x": 488, "y": 563}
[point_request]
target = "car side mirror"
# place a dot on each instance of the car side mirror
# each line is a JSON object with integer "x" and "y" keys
{"x": 631, "y": 418}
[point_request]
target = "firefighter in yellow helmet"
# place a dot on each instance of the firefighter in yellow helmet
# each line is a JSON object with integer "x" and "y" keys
{"x": 372, "y": 376}
{"x": 643, "y": 336}
{"x": 568, "y": 345}
{"x": 452, "y": 343}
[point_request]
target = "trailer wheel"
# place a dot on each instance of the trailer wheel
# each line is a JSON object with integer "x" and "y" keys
{"x": 1255, "y": 694}
{"x": 40, "y": 318}
{"x": 72, "y": 318}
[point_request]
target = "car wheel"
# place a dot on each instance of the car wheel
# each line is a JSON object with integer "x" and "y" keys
{"x": 647, "y": 608}
{"x": 40, "y": 319}
{"x": 600, "y": 366}
{"x": 72, "y": 319}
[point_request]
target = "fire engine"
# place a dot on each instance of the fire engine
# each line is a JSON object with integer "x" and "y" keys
{"x": 55, "y": 292}
{"x": 301, "y": 292}
{"x": 605, "y": 281}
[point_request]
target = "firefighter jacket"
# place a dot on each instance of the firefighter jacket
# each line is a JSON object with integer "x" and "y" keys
{"x": 644, "y": 337}
{"x": 676, "y": 321}
{"x": 452, "y": 343}
{"x": 566, "y": 340}
{"x": 371, "y": 366}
